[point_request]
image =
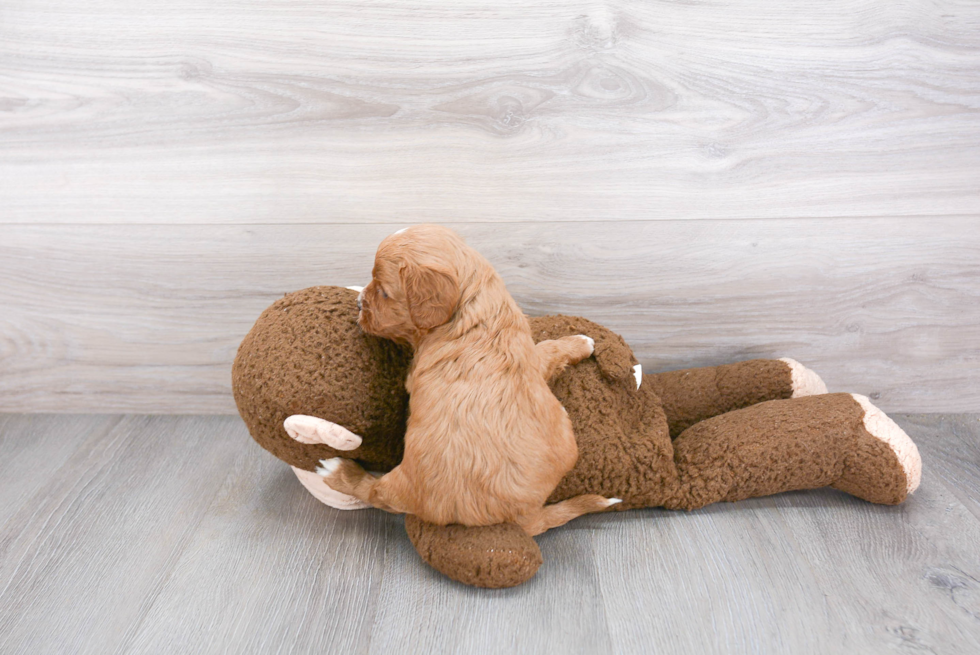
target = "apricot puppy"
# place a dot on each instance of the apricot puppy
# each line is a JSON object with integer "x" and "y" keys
{"x": 486, "y": 442}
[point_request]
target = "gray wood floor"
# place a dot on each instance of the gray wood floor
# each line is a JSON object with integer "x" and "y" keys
{"x": 150, "y": 534}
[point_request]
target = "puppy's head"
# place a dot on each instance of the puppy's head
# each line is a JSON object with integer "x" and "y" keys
{"x": 415, "y": 284}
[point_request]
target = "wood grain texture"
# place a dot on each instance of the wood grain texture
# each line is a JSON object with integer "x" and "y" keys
{"x": 952, "y": 446}
{"x": 178, "y": 534}
{"x": 807, "y": 572}
{"x": 148, "y": 318}
{"x": 271, "y": 570}
{"x": 361, "y": 111}
{"x": 561, "y": 610}
{"x": 33, "y": 448}
{"x": 82, "y": 561}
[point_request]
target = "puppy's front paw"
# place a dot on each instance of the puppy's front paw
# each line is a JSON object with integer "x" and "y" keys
{"x": 313, "y": 430}
{"x": 590, "y": 343}
{"x": 577, "y": 347}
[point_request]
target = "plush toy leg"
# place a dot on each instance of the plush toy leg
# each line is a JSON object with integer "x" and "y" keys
{"x": 838, "y": 440}
{"x": 695, "y": 394}
{"x": 494, "y": 557}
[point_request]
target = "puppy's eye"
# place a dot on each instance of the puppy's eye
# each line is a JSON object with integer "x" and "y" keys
{"x": 384, "y": 294}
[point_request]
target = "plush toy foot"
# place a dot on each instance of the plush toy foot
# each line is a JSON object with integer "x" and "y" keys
{"x": 315, "y": 485}
{"x": 312, "y": 430}
{"x": 805, "y": 382}
{"x": 493, "y": 557}
{"x": 874, "y": 457}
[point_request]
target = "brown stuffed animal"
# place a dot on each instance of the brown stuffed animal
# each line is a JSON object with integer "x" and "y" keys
{"x": 310, "y": 385}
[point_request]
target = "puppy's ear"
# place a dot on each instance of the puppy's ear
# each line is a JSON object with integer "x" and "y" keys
{"x": 432, "y": 294}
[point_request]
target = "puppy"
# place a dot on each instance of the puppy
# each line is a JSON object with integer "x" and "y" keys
{"x": 486, "y": 442}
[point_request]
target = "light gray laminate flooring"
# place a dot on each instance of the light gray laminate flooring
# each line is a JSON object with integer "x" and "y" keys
{"x": 177, "y": 534}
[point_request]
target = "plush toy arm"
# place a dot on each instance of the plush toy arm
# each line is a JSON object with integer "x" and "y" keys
{"x": 615, "y": 359}
{"x": 695, "y": 394}
{"x": 839, "y": 440}
{"x": 313, "y": 430}
{"x": 493, "y": 557}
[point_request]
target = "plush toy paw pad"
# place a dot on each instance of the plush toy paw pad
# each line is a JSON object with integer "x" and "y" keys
{"x": 805, "y": 382}
{"x": 313, "y": 430}
{"x": 884, "y": 429}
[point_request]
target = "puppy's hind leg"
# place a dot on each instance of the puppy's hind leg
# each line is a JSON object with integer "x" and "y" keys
{"x": 347, "y": 477}
{"x": 551, "y": 516}
{"x": 555, "y": 354}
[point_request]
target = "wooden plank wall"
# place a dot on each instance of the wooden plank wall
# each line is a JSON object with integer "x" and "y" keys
{"x": 716, "y": 181}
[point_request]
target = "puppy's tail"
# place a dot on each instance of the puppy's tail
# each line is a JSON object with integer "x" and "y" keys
{"x": 551, "y": 516}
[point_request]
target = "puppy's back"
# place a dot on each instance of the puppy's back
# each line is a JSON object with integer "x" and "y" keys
{"x": 488, "y": 439}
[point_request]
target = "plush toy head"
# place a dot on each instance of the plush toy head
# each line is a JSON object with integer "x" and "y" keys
{"x": 306, "y": 355}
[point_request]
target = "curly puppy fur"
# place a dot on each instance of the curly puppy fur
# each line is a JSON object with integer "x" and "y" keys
{"x": 487, "y": 441}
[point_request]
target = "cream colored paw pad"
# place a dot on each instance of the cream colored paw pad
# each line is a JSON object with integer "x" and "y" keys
{"x": 883, "y": 428}
{"x": 805, "y": 382}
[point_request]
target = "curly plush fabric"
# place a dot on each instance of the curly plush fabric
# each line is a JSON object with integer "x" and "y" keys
{"x": 719, "y": 389}
{"x": 299, "y": 357}
{"x": 461, "y": 553}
